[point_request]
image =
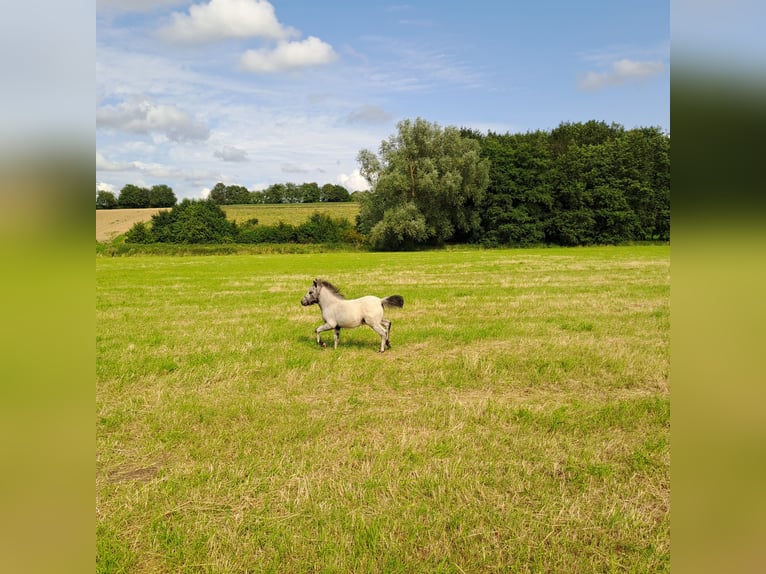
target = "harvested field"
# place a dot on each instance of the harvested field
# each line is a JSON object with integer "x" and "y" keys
{"x": 112, "y": 222}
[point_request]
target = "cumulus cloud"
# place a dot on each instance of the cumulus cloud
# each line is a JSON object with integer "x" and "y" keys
{"x": 135, "y": 171}
{"x": 231, "y": 153}
{"x": 142, "y": 116}
{"x": 104, "y": 186}
{"x": 289, "y": 55}
{"x": 353, "y": 182}
{"x": 223, "y": 19}
{"x": 368, "y": 115}
{"x": 622, "y": 72}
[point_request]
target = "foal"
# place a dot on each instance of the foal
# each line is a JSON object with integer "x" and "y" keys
{"x": 339, "y": 312}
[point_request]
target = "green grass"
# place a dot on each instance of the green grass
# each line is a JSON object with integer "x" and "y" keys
{"x": 293, "y": 213}
{"x": 520, "y": 423}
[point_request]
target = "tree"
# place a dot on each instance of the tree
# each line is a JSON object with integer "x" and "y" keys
{"x": 429, "y": 173}
{"x": 132, "y": 196}
{"x": 334, "y": 192}
{"x": 309, "y": 192}
{"x": 402, "y": 227}
{"x": 161, "y": 196}
{"x": 239, "y": 194}
{"x": 518, "y": 198}
{"x": 292, "y": 193}
{"x": 219, "y": 194}
{"x": 274, "y": 193}
{"x": 105, "y": 200}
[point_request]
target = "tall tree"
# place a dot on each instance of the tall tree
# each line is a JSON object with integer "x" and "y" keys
{"x": 429, "y": 174}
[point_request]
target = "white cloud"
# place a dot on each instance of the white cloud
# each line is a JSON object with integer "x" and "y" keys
{"x": 353, "y": 182}
{"x": 622, "y": 72}
{"x": 368, "y": 115}
{"x": 104, "y": 186}
{"x": 295, "y": 168}
{"x": 140, "y": 115}
{"x": 289, "y": 55}
{"x": 103, "y": 164}
{"x": 137, "y": 172}
{"x": 231, "y": 153}
{"x": 224, "y": 19}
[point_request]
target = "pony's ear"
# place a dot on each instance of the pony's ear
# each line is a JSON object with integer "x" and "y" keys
{"x": 315, "y": 282}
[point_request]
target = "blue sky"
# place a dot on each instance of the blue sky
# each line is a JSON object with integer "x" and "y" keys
{"x": 253, "y": 93}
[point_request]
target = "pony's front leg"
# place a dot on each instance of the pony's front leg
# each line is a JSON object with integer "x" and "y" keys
{"x": 337, "y": 336}
{"x": 322, "y": 329}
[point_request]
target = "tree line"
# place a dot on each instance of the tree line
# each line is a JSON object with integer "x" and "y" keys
{"x": 578, "y": 184}
{"x": 133, "y": 196}
{"x": 279, "y": 193}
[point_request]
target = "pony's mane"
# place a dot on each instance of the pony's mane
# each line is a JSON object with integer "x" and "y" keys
{"x": 331, "y": 287}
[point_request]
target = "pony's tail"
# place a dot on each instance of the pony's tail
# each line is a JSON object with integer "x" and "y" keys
{"x": 393, "y": 301}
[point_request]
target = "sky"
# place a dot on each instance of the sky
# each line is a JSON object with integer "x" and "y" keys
{"x": 252, "y": 92}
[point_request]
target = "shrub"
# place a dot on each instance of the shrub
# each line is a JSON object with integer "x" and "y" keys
{"x": 403, "y": 227}
{"x": 139, "y": 233}
{"x": 188, "y": 222}
{"x": 321, "y": 228}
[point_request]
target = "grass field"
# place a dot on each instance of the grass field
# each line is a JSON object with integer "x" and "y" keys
{"x": 520, "y": 422}
{"x": 294, "y": 214}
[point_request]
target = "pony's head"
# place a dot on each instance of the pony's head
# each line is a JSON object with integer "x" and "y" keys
{"x": 312, "y": 296}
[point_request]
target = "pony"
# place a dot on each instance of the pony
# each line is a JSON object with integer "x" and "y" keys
{"x": 339, "y": 312}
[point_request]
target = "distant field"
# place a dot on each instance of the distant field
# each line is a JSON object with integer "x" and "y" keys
{"x": 520, "y": 422}
{"x": 113, "y": 222}
{"x": 294, "y": 214}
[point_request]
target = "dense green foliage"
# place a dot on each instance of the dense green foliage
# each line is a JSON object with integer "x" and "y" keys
{"x": 136, "y": 197}
{"x": 188, "y": 222}
{"x": 204, "y": 222}
{"x": 580, "y": 184}
{"x": 105, "y": 199}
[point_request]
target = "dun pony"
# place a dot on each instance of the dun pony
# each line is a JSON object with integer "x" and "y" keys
{"x": 341, "y": 313}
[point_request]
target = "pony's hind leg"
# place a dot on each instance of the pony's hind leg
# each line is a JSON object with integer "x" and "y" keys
{"x": 383, "y": 335}
{"x": 387, "y": 326}
{"x": 337, "y": 336}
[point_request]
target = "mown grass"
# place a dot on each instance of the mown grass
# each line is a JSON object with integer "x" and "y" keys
{"x": 293, "y": 213}
{"x": 520, "y": 423}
